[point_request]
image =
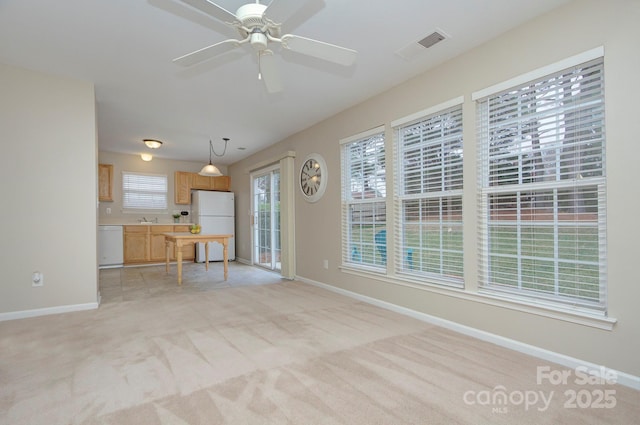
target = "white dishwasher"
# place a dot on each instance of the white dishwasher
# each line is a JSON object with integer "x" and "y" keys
{"x": 110, "y": 246}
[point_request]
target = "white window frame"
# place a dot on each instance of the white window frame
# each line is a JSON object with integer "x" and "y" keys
{"x": 274, "y": 230}
{"x": 152, "y": 196}
{"x": 369, "y": 251}
{"x": 522, "y": 291}
{"x": 416, "y": 261}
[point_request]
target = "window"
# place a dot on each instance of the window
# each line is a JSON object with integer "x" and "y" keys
{"x": 144, "y": 191}
{"x": 364, "y": 218}
{"x": 429, "y": 196}
{"x": 542, "y": 188}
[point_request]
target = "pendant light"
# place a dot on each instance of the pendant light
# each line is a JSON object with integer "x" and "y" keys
{"x": 210, "y": 169}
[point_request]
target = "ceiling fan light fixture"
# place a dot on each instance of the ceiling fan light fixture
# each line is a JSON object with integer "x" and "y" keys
{"x": 260, "y": 25}
{"x": 152, "y": 143}
{"x": 259, "y": 41}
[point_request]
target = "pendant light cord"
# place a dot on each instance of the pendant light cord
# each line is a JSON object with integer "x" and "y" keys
{"x": 226, "y": 140}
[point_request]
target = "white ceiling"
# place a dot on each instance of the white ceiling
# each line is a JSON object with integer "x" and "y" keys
{"x": 126, "y": 47}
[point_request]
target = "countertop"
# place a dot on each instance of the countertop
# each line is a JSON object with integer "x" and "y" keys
{"x": 115, "y": 223}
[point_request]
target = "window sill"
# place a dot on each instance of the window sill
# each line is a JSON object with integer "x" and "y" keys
{"x": 594, "y": 320}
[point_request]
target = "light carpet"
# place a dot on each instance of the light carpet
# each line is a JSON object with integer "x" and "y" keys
{"x": 278, "y": 352}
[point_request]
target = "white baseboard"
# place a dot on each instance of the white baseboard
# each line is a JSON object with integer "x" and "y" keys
{"x": 244, "y": 261}
{"x": 47, "y": 311}
{"x": 111, "y": 266}
{"x": 623, "y": 378}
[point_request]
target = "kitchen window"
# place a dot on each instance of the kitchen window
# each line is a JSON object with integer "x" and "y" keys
{"x": 542, "y": 190}
{"x": 144, "y": 191}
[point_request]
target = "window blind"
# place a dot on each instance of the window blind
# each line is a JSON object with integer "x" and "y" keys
{"x": 542, "y": 189}
{"x": 428, "y": 204}
{"x": 364, "y": 217}
{"x": 144, "y": 191}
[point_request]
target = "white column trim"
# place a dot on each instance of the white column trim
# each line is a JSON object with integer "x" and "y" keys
{"x": 287, "y": 216}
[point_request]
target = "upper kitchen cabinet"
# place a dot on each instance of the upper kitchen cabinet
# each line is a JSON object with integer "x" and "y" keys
{"x": 185, "y": 182}
{"x": 220, "y": 183}
{"x": 182, "y": 189}
{"x": 105, "y": 182}
{"x": 199, "y": 182}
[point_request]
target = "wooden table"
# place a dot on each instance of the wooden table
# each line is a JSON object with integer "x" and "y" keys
{"x": 180, "y": 239}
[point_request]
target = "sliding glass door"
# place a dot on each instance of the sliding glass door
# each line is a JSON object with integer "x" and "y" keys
{"x": 266, "y": 218}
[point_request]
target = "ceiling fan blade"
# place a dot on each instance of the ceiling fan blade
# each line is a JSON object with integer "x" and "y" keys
{"x": 207, "y": 52}
{"x": 269, "y": 71}
{"x": 279, "y": 11}
{"x": 319, "y": 49}
{"x": 213, "y": 10}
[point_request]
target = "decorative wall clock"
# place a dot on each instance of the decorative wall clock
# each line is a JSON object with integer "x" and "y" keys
{"x": 313, "y": 177}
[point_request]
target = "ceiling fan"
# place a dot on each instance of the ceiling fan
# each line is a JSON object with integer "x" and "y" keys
{"x": 259, "y": 25}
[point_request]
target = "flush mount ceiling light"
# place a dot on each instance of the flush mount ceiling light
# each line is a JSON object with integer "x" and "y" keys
{"x": 152, "y": 143}
{"x": 210, "y": 169}
{"x": 146, "y": 157}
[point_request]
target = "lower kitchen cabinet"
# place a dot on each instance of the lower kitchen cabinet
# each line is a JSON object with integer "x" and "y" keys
{"x": 157, "y": 246}
{"x": 145, "y": 243}
{"x": 188, "y": 250}
{"x": 136, "y": 244}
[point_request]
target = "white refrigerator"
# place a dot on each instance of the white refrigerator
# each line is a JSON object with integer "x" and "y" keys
{"x": 214, "y": 211}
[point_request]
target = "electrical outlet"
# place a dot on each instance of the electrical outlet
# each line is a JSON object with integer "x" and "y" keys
{"x": 108, "y": 210}
{"x": 325, "y": 264}
{"x": 37, "y": 279}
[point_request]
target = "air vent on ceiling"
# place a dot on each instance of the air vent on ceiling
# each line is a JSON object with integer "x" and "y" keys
{"x": 431, "y": 39}
{"x": 413, "y": 49}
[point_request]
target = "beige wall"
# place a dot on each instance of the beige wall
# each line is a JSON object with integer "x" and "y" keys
{"x": 48, "y": 191}
{"x": 569, "y": 30}
{"x": 124, "y": 162}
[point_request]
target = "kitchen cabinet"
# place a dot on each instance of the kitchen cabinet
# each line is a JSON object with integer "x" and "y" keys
{"x": 105, "y": 182}
{"x": 188, "y": 250}
{"x": 136, "y": 244}
{"x": 145, "y": 243}
{"x": 200, "y": 182}
{"x": 219, "y": 183}
{"x": 185, "y": 182}
{"x": 182, "y": 189}
{"x": 157, "y": 247}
